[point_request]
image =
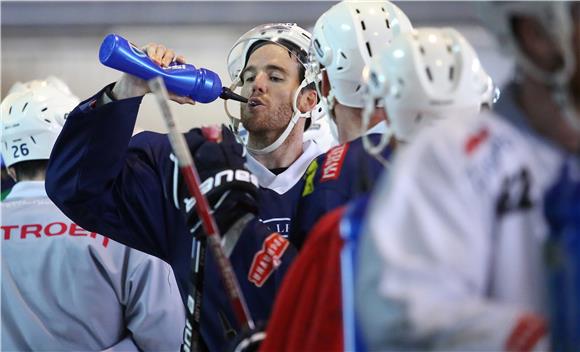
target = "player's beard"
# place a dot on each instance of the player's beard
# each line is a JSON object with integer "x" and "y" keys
{"x": 266, "y": 126}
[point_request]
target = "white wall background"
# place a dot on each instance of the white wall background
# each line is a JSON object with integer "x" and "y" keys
{"x": 38, "y": 41}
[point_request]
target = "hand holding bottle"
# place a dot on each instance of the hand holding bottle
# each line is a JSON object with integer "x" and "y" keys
{"x": 129, "y": 86}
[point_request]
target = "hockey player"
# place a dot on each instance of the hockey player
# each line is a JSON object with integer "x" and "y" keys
{"x": 64, "y": 288}
{"x": 277, "y": 154}
{"x": 326, "y": 261}
{"x": 131, "y": 189}
{"x": 452, "y": 257}
{"x": 345, "y": 38}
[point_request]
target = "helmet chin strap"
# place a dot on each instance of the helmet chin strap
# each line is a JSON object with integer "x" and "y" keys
{"x": 296, "y": 115}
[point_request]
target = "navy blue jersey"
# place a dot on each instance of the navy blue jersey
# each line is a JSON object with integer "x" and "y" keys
{"x": 124, "y": 187}
{"x": 343, "y": 173}
{"x": 279, "y": 194}
{"x": 277, "y": 210}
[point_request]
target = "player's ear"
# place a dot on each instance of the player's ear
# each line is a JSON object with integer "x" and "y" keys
{"x": 12, "y": 173}
{"x": 325, "y": 84}
{"x": 307, "y": 100}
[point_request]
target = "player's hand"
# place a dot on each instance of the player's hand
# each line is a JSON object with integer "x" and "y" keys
{"x": 129, "y": 86}
{"x": 230, "y": 189}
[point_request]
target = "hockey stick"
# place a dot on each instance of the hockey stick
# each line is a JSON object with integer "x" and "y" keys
{"x": 191, "y": 177}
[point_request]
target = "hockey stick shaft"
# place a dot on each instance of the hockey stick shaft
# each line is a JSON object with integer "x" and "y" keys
{"x": 191, "y": 177}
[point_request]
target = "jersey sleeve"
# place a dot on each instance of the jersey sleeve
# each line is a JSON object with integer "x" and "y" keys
{"x": 105, "y": 185}
{"x": 427, "y": 254}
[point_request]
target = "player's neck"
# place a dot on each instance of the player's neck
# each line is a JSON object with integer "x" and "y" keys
{"x": 284, "y": 155}
{"x": 544, "y": 114}
{"x": 349, "y": 122}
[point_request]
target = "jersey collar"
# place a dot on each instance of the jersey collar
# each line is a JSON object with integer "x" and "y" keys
{"x": 27, "y": 189}
{"x": 283, "y": 182}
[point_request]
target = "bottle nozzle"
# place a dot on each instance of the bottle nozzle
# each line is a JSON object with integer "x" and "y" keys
{"x": 228, "y": 94}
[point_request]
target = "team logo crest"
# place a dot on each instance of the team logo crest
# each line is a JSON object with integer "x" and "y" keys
{"x": 267, "y": 259}
{"x": 333, "y": 163}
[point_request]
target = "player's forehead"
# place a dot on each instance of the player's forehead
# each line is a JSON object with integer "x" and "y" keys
{"x": 271, "y": 56}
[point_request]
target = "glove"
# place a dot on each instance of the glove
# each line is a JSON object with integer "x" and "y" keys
{"x": 231, "y": 190}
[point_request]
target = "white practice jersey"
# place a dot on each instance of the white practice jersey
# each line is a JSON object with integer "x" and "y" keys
{"x": 64, "y": 288}
{"x": 452, "y": 257}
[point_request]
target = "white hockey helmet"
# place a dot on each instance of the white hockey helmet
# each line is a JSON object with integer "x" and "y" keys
{"x": 425, "y": 75}
{"x": 294, "y": 39}
{"x": 554, "y": 16}
{"x": 344, "y": 40}
{"x": 557, "y": 19}
{"x": 32, "y": 117}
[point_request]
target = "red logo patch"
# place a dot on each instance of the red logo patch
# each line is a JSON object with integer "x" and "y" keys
{"x": 333, "y": 163}
{"x": 267, "y": 259}
{"x": 475, "y": 140}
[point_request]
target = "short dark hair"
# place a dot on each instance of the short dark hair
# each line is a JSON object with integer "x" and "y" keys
{"x": 293, "y": 50}
{"x": 29, "y": 169}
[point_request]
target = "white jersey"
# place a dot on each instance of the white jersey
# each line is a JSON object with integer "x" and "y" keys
{"x": 64, "y": 288}
{"x": 452, "y": 259}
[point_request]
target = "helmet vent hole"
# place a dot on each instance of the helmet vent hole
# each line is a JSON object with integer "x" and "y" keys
{"x": 33, "y": 140}
{"x": 24, "y": 107}
{"x": 451, "y": 72}
{"x": 47, "y": 120}
{"x": 449, "y": 49}
{"x": 339, "y": 68}
{"x": 383, "y": 9}
{"x": 357, "y": 11}
{"x": 305, "y": 35}
{"x": 422, "y": 50}
{"x": 343, "y": 54}
{"x": 418, "y": 118}
{"x": 388, "y": 24}
{"x": 357, "y": 88}
{"x": 320, "y": 109}
{"x": 369, "y": 49}
{"x": 428, "y": 71}
{"x": 43, "y": 110}
{"x": 399, "y": 91}
{"x": 362, "y": 23}
{"x": 10, "y": 111}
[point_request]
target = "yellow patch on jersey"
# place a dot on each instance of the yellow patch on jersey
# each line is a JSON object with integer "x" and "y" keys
{"x": 309, "y": 177}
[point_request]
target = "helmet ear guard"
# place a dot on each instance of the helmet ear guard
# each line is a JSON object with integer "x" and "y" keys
{"x": 321, "y": 50}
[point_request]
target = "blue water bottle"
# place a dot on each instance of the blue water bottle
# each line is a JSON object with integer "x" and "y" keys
{"x": 201, "y": 85}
